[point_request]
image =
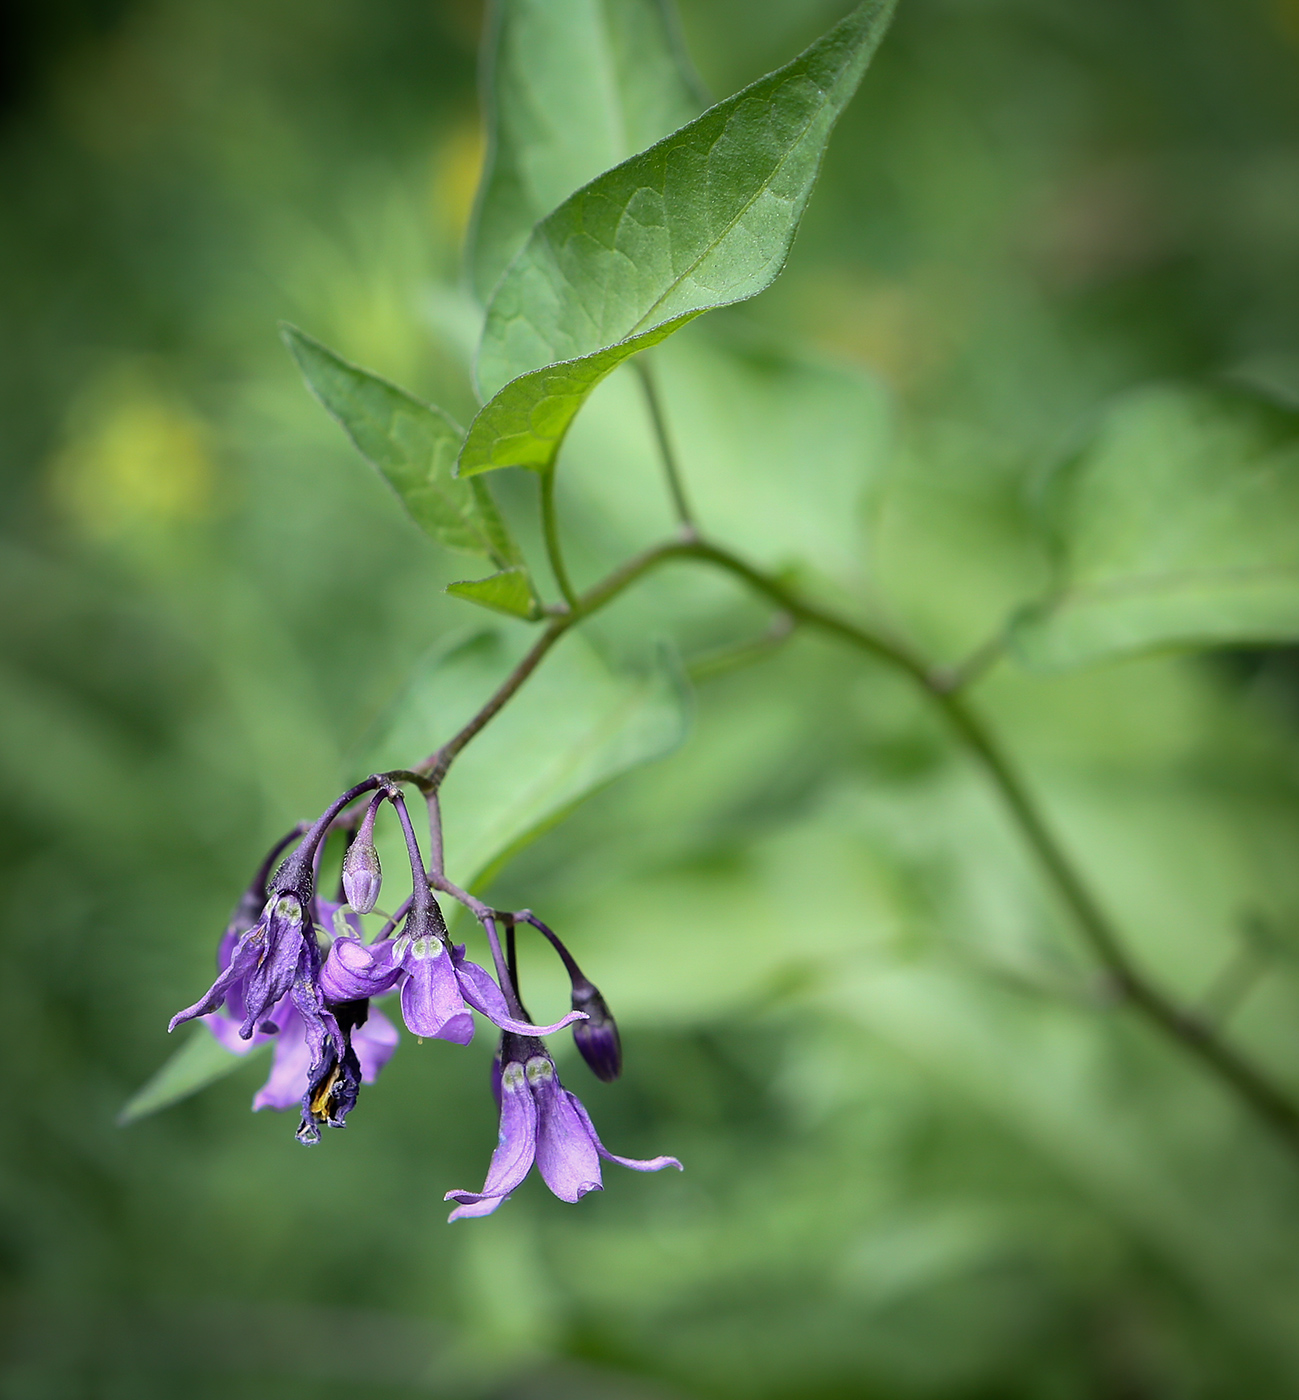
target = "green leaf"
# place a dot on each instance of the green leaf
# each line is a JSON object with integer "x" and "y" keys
{"x": 200, "y": 1061}
{"x": 575, "y": 727}
{"x": 412, "y": 445}
{"x": 1178, "y": 525}
{"x": 573, "y": 87}
{"x": 703, "y": 219}
{"x": 509, "y": 592}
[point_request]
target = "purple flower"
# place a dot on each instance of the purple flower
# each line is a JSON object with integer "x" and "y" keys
{"x": 373, "y": 1040}
{"x": 542, "y": 1122}
{"x": 438, "y": 985}
{"x": 263, "y": 964}
{"x": 323, "y": 1052}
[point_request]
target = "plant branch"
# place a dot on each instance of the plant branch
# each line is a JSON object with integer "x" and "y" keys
{"x": 550, "y": 526}
{"x": 1269, "y": 1100}
{"x": 731, "y": 658}
{"x": 671, "y": 467}
{"x": 434, "y": 768}
{"x": 974, "y": 667}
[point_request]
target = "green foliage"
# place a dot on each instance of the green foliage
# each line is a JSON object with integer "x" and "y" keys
{"x": 575, "y": 727}
{"x": 928, "y": 1156}
{"x": 1175, "y": 525}
{"x": 200, "y": 1061}
{"x": 703, "y": 219}
{"x": 413, "y": 446}
{"x": 509, "y": 591}
{"x": 573, "y": 87}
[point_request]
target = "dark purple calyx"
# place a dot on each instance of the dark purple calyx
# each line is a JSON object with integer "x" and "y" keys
{"x": 597, "y": 1037}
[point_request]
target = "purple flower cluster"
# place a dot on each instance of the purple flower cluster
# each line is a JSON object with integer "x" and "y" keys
{"x": 295, "y": 969}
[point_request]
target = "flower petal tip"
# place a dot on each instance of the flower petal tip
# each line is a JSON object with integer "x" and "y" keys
{"x": 474, "y": 1205}
{"x": 507, "y": 1023}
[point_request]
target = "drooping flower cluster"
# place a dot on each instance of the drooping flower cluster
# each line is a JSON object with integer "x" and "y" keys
{"x": 295, "y": 968}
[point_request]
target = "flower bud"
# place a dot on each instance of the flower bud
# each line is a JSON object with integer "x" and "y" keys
{"x": 597, "y": 1036}
{"x": 362, "y": 875}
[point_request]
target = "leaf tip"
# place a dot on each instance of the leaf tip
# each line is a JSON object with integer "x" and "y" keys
{"x": 509, "y": 591}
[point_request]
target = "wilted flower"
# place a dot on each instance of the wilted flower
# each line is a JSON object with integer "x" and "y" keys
{"x": 542, "y": 1122}
{"x": 369, "y": 1039}
{"x": 263, "y": 962}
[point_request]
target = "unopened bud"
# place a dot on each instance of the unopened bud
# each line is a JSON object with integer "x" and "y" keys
{"x": 362, "y": 875}
{"x": 597, "y": 1036}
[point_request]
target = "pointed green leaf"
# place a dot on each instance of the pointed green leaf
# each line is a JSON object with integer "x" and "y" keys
{"x": 412, "y": 445}
{"x": 507, "y": 592}
{"x": 200, "y": 1061}
{"x": 703, "y": 219}
{"x": 575, "y": 727}
{"x": 572, "y": 87}
{"x": 525, "y": 424}
{"x": 1178, "y": 525}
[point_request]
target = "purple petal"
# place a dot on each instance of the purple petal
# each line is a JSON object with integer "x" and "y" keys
{"x": 225, "y": 1028}
{"x": 485, "y": 1206}
{"x": 353, "y": 971}
{"x": 481, "y": 992}
{"x": 322, "y": 1029}
{"x": 288, "y": 935}
{"x": 225, "y": 949}
{"x": 515, "y": 1148}
{"x": 431, "y": 1004}
{"x": 567, "y": 1156}
{"x": 291, "y": 1066}
{"x": 242, "y": 960}
{"x": 637, "y": 1164}
{"x": 374, "y": 1044}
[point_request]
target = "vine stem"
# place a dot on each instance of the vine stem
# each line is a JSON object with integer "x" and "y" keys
{"x": 550, "y": 527}
{"x": 676, "y": 484}
{"x": 434, "y": 768}
{"x": 1271, "y": 1102}
{"x": 1266, "y": 1098}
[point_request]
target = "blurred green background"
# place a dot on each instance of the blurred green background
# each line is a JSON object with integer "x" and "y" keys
{"x": 925, "y": 1155}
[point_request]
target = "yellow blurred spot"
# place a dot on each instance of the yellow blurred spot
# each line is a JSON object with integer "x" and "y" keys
{"x": 455, "y": 181}
{"x": 135, "y": 456}
{"x": 1287, "y": 19}
{"x": 893, "y": 327}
